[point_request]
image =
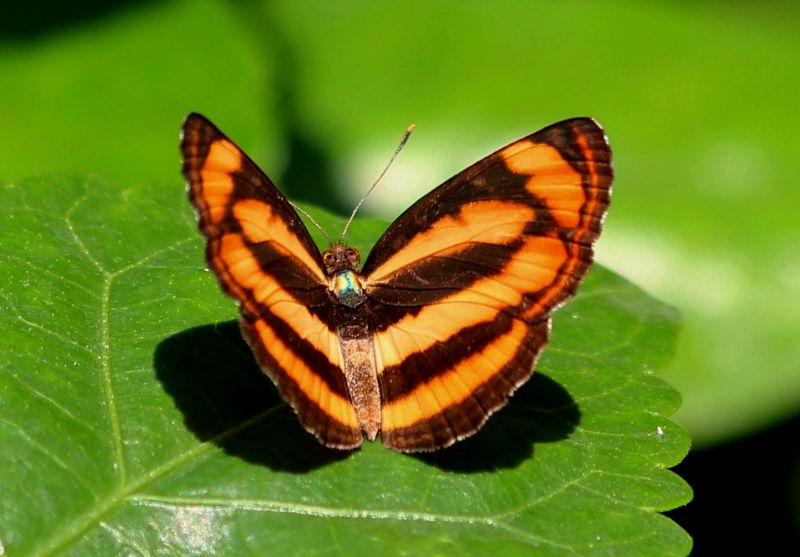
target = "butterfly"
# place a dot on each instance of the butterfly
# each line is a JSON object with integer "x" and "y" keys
{"x": 451, "y": 308}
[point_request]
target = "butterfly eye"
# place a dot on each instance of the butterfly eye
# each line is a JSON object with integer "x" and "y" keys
{"x": 353, "y": 257}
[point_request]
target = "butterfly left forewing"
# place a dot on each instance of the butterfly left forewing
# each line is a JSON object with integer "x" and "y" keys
{"x": 461, "y": 286}
{"x": 265, "y": 259}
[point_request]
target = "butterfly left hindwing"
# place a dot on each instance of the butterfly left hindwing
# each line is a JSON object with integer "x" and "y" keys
{"x": 452, "y": 306}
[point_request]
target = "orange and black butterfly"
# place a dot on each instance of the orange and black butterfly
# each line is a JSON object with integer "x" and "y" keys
{"x": 450, "y": 310}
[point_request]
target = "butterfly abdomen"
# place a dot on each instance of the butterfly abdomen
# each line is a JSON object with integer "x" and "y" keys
{"x": 360, "y": 370}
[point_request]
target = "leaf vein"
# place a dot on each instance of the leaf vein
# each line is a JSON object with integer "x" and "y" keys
{"x": 45, "y": 271}
{"x": 49, "y": 400}
{"x": 49, "y": 455}
{"x": 76, "y": 237}
{"x": 321, "y": 511}
{"x": 108, "y": 381}
{"x": 46, "y": 330}
{"x": 144, "y": 260}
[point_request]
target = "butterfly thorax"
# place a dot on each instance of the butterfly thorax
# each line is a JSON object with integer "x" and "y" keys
{"x": 341, "y": 267}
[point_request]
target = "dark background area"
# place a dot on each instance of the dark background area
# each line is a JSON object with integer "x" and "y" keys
{"x": 746, "y": 495}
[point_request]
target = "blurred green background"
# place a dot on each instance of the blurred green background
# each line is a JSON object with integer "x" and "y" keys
{"x": 699, "y": 101}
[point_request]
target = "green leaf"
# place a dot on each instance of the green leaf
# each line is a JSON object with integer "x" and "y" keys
{"x": 135, "y": 422}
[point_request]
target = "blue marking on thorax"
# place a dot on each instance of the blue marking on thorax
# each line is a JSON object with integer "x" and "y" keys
{"x": 347, "y": 289}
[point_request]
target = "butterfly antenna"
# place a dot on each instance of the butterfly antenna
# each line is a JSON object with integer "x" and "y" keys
{"x": 364, "y": 197}
{"x": 309, "y": 217}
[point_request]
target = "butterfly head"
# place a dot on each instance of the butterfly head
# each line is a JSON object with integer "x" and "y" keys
{"x": 340, "y": 257}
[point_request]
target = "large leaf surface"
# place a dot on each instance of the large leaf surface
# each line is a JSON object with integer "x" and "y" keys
{"x": 135, "y": 422}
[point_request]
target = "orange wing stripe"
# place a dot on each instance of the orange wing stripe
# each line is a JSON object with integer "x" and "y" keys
{"x": 307, "y": 380}
{"x": 454, "y": 385}
{"x": 491, "y": 222}
{"x": 223, "y": 156}
{"x": 552, "y": 179}
{"x": 260, "y": 224}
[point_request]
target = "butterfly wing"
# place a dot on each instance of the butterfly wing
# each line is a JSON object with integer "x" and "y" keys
{"x": 461, "y": 286}
{"x": 265, "y": 259}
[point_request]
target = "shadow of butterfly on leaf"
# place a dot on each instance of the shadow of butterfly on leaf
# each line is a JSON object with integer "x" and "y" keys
{"x": 226, "y": 400}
